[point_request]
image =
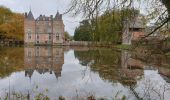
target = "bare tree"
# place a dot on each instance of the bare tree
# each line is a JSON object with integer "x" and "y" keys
{"x": 93, "y": 8}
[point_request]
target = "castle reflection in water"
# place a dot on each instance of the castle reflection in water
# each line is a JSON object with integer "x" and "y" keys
{"x": 43, "y": 60}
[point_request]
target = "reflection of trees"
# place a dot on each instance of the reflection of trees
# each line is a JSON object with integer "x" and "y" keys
{"x": 11, "y": 60}
{"x": 156, "y": 60}
{"x": 126, "y": 68}
{"x": 107, "y": 63}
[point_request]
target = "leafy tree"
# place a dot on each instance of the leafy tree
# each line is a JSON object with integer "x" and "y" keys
{"x": 110, "y": 26}
{"x": 67, "y": 36}
{"x": 5, "y": 14}
{"x": 83, "y": 32}
{"x": 159, "y": 9}
{"x": 11, "y": 24}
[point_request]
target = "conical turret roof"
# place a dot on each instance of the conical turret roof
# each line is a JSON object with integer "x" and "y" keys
{"x": 30, "y": 16}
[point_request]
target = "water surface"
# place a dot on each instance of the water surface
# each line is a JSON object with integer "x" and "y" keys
{"x": 81, "y": 72}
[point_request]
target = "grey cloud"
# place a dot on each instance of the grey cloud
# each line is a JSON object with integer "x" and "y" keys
{"x": 47, "y": 7}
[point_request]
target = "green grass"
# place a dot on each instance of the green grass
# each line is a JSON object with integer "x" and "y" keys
{"x": 123, "y": 46}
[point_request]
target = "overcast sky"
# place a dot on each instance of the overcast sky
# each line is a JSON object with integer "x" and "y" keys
{"x": 50, "y": 7}
{"x": 47, "y": 7}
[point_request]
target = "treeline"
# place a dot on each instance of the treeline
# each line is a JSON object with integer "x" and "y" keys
{"x": 106, "y": 28}
{"x": 11, "y": 24}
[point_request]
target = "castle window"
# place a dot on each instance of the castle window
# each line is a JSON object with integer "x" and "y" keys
{"x": 37, "y": 53}
{"x": 49, "y": 23}
{"x": 49, "y": 30}
{"x": 29, "y": 30}
{"x": 29, "y": 35}
{"x": 57, "y": 36}
{"x": 29, "y": 54}
{"x": 37, "y": 42}
{"x": 49, "y": 37}
{"x": 37, "y": 36}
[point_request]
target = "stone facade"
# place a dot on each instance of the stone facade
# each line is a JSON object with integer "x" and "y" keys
{"x": 133, "y": 30}
{"x": 43, "y": 30}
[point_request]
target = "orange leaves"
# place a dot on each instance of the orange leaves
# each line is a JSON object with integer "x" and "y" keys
{"x": 11, "y": 24}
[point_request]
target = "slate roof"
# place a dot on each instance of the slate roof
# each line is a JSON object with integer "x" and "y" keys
{"x": 30, "y": 16}
{"x": 58, "y": 16}
{"x": 136, "y": 23}
{"x": 43, "y": 18}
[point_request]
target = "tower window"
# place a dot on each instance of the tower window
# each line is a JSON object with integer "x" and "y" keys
{"x": 37, "y": 36}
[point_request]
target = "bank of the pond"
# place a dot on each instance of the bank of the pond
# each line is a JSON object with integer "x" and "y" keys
{"x": 98, "y": 44}
{"x": 123, "y": 47}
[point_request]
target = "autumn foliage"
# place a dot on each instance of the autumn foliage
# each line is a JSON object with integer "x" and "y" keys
{"x": 11, "y": 24}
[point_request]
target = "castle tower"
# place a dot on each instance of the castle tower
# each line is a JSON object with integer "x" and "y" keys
{"x": 29, "y": 28}
{"x": 58, "y": 29}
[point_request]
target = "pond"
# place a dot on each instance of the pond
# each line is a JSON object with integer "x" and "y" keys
{"x": 80, "y": 73}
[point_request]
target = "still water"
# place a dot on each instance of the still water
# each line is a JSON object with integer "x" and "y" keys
{"x": 77, "y": 73}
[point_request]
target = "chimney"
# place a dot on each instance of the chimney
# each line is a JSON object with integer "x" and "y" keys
{"x": 51, "y": 16}
{"x": 26, "y": 15}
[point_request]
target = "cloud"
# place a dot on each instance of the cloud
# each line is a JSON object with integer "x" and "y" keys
{"x": 47, "y": 7}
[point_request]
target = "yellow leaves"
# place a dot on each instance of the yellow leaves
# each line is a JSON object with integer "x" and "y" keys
{"x": 11, "y": 24}
{"x": 6, "y": 29}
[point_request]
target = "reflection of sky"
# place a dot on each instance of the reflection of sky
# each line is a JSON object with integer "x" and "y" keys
{"x": 153, "y": 79}
{"x": 74, "y": 77}
{"x": 50, "y": 7}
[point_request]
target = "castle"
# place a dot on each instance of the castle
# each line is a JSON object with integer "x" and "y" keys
{"x": 43, "y": 30}
{"x": 43, "y": 59}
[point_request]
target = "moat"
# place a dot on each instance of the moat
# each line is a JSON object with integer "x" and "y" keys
{"x": 77, "y": 73}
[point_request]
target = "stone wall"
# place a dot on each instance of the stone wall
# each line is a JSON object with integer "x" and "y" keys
{"x": 58, "y": 32}
{"x": 29, "y": 29}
